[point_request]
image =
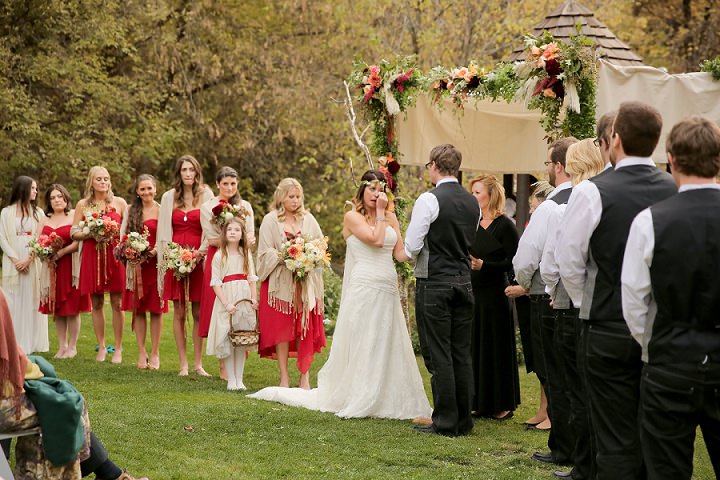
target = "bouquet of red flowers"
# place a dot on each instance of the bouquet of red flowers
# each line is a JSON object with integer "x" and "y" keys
{"x": 224, "y": 211}
{"x": 45, "y": 247}
{"x": 99, "y": 225}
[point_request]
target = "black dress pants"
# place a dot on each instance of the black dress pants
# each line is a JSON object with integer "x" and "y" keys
{"x": 444, "y": 314}
{"x": 562, "y": 439}
{"x": 539, "y": 309}
{"x": 567, "y": 336}
{"x": 613, "y": 368}
{"x": 673, "y": 402}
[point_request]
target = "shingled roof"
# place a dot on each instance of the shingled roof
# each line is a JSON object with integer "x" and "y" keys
{"x": 562, "y": 25}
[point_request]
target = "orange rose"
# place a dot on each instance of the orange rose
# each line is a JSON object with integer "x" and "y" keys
{"x": 535, "y": 51}
{"x": 293, "y": 251}
{"x": 548, "y": 92}
{"x": 186, "y": 256}
{"x": 551, "y": 51}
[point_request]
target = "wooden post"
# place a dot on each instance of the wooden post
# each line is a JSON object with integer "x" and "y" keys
{"x": 522, "y": 214}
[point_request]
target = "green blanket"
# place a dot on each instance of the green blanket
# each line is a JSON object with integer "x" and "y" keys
{"x": 59, "y": 406}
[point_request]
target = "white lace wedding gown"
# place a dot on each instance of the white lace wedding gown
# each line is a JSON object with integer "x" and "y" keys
{"x": 371, "y": 370}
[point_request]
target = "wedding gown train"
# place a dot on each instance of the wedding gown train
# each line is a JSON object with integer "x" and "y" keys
{"x": 371, "y": 370}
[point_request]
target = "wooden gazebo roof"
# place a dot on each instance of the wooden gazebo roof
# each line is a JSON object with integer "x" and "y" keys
{"x": 562, "y": 25}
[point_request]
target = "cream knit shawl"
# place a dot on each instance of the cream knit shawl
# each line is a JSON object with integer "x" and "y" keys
{"x": 280, "y": 280}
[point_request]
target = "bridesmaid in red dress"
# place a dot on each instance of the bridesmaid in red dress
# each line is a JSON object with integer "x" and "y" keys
{"x": 226, "y": 180}
{"x": 100, "y": 273}
{"x": 179, "y": 221}
{"x": 283, "y": 330}
{"x": 142, "y": 297}
{"x": 68, "y": 303}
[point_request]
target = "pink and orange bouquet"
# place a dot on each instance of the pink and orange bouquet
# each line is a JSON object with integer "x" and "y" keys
{"x": 180, "y": 260}
{"x": 302, "y": 254}
{"x": 45, "y": 247}
{"x": 133, "y": 247}
{"x": 224, "y": 211}
{"x": 99, "y": 225}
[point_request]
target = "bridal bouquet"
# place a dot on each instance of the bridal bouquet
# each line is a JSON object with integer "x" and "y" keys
{"x": 45, "y": 247}
{"x": 224, "y": 211}
{"x": 301, "y": 254}
{"x": 180, "y": 260}
{"x": 133, "y": 247}
{"x": 99, "y": 225}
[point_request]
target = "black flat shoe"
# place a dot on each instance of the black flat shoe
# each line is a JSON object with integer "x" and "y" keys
{"x": 424, "y": 428}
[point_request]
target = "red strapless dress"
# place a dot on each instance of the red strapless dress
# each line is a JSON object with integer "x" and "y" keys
{"x": 111, "y": 277}
{"x": 68, "y": 300}
{"x": 150, "y": 300}
{"x": 208, "y": 299}
{"x": 187, "y": 233}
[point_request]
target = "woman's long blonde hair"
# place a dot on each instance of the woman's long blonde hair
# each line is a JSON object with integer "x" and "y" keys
{"x": 282, "y": 192}
{"x": 496, "y": 192}
{"x": 90, "y": 191}
{"x": 583, "y": 161}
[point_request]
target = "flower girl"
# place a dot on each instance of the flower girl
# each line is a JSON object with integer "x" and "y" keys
{"x": 233, "y": 280}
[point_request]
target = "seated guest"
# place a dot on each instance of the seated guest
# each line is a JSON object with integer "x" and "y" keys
{"x": 67, "y": 448}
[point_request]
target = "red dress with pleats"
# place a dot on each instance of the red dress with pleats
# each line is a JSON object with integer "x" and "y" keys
{"x": 100, "y": 273}
{"x": 150, "y": 300}
{"x": 187, "y": 232}
{"x": 208, "y": 300}
{"x": 68, "y": 300}
{"x": 278, "y": 327}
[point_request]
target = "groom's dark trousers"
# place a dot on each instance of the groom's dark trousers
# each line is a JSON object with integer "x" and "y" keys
{"x": 444, "y": 314}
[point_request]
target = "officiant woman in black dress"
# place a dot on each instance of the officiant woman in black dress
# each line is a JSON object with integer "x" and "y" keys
{"x": 497, "y": 384}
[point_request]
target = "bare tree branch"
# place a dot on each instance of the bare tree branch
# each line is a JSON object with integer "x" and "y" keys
{"x": 350, "y": 111}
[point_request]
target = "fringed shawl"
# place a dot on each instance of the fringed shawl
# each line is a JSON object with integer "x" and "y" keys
{"x": 165, "y": 231}
{"x": 280, "y": 280}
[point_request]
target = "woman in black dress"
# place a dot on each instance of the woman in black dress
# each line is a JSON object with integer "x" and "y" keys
{"x": 497, "y": 383}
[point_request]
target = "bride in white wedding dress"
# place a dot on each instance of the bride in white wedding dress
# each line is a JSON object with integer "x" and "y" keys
{"x": 371, "y": 370}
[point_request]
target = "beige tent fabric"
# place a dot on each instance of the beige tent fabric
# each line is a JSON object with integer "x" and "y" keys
{"x": 498, "y": 137}
{"x": 675, "y": 96}
{"x": 492, "y": 136}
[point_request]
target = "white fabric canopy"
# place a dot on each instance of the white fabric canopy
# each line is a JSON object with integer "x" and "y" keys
{"x": 675, "y": 96}
{"x": 507, "y": 138}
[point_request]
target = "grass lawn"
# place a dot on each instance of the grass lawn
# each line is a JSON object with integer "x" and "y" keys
{"x": 142, "y": 417}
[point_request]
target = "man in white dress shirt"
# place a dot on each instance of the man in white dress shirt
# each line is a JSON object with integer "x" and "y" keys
{"x": 671, "y": 303}
{"x": 442, "y": 228}
{"x": 595, "y": 228}
{"x": 526, "y": 264}
{"x": 570, "y": 350}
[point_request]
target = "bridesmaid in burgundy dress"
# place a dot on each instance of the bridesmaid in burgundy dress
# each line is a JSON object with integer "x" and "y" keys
{"x": 141, "y": 297}
{"x": 226, "y": 180}
{"x": 179, "y": 222}
{"x": 100, "y": 273}
{"x": 67, "y": 302}
{"x": 284, "y": 331}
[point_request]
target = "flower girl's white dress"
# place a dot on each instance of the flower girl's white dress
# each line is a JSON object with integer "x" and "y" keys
{"x": 372, "y": 370}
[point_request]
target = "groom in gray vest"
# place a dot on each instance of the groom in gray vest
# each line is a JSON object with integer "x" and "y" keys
{"x": 441, "y": 230}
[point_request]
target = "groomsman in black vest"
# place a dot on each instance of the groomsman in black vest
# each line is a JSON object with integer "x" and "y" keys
{"x": 597, "y": 222}
{"x": 671, "y": 303}
{"x": 527, "y": 264}
{"x": 442, "y": 228}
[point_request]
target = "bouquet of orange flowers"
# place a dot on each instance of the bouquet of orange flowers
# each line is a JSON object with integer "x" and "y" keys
{"x": 302, "y": 254}
{"x": 45, "y": 247}
{"x": 180, "y": 260}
